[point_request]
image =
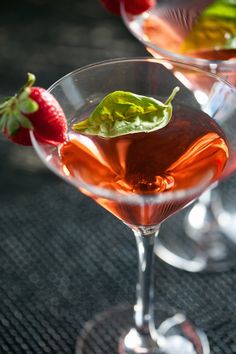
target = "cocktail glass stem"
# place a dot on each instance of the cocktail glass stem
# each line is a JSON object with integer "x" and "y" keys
{"x": 143, "y": 337}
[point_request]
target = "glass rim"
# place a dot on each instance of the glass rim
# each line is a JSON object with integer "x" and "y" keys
{"x": 140, "y": 59}
{"x": 228, "y": 64}
{"x": 129, "y": 198}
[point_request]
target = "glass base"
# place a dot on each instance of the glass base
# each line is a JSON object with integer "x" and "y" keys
{"x": 111, "y": 332}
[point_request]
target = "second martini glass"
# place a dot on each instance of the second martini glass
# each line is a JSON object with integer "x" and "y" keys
{"x": 178, "y": 30}
{"x": 143, "y": 179}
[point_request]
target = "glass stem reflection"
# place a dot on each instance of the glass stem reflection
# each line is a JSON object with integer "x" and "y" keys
{"x": 143, "y": 310}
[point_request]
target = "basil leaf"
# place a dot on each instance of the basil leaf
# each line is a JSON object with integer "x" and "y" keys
{"x": 221, "y": 8}
{"x": 214, "y": 29}
{"x": 122, "y": 112}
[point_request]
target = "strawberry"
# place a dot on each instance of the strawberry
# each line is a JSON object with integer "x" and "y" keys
{"x": 134, "y": 7}
{"x": 112, "y": 6}
{"x": 33, "y": 108}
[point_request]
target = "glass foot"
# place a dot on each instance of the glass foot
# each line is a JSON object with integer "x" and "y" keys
{"x": 111, "y": 332}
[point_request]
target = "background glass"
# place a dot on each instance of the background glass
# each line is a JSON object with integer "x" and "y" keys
{"x": 162, "y": 30}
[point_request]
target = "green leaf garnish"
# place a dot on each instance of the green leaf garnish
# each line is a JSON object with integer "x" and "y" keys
{"x": 214, "y": 29}
{"x": 221, "y": 8}
{"x": 122, "y": 112}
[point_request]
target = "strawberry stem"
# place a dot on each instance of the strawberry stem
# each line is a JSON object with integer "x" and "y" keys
{"x": 30, "y": 80}
{"x": 29, "y": 83}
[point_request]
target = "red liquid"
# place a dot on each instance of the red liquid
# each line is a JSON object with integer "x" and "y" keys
{"x": 172, "y": 158}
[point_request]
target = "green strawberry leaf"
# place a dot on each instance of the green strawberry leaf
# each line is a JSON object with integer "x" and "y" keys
{"x": 23, "y": 94}
{"x": 3, "y": 121}
{"x": 12, "y": 125}
{"x": 122, "y": 112}
{"x": 4, "y": 103}
{"x": 27, "y": 105}
{"x": 14, "y": 110}
{"x": 23, "y": 120}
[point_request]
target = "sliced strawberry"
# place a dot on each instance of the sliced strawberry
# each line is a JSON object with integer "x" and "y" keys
{"x": 33, "y": 108}
{"x": 134, "y": 7}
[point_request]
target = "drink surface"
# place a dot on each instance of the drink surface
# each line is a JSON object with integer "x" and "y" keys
{"x": 173, "y": 158}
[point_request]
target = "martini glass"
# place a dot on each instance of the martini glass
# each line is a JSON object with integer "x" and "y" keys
{"x": 123, "y": 175}
{"x": 208, "y": 241}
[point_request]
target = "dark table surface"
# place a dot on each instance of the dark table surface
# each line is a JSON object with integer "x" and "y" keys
{"x": 62, "y": 258}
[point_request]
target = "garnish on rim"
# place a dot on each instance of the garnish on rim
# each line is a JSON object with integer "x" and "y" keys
{"x": 215, "y": 28}
{"x": 122, "y": 112}
{"x": 32, "y": 108}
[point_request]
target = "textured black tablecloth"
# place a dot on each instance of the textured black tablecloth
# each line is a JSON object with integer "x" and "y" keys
{"x": 63, "y": 258}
